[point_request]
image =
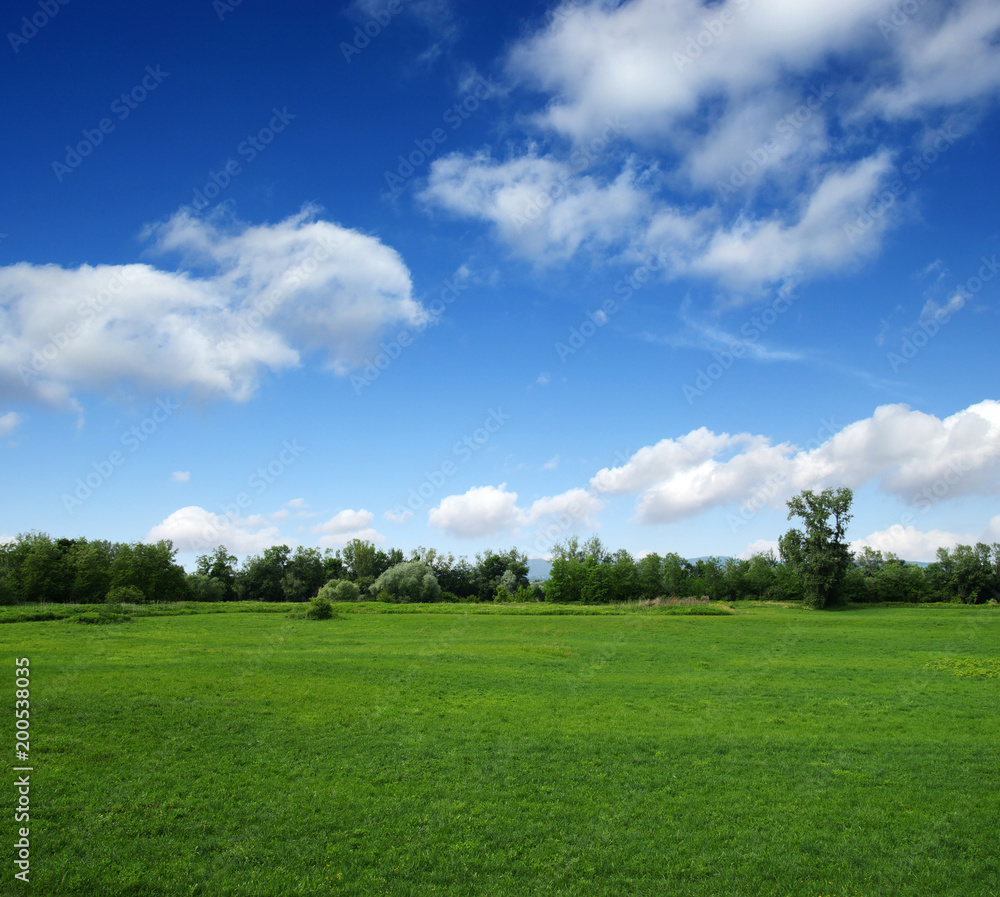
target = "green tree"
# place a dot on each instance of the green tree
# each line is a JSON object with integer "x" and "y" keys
{"x": 491, "y": 566}
{"x": 596, "y": 587}
{"x": 46, "y": 568}
{"x": 820, "y": 556}
{"x": 410, "y": 581}
{"x": 206, "y": 588}
{"x": 260, "y": 577}
{"x": 565, "y": 582}
{"x": 674, "y": 575}
{"x": 221, "y": 566}
{"x": 91, "y": 571}
{"x": 623, "y": 576}
{"x": 365, "y": 563}
{"x": 649, "y": 573}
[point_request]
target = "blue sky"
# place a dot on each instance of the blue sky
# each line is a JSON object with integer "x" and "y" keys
{"x": 482, "y": 275}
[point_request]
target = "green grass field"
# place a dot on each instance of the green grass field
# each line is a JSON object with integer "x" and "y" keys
{"x": 772, "y": 751}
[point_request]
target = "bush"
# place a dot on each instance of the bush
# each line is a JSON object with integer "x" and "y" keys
{"x": 94, "y": 618}
{"x": 449, "y": 596}
{"x": 125, "y": 595}
{"x": 340, "y": 590}
{"x": 320, "y": 608}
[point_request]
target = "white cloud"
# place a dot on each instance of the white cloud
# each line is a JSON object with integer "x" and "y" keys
{"x": 538, "y": 205}
{"x": 245, "y": 299}
{"x": 767, "y": 250}
{"x": 345, "y": 521}
{"x": 909, "y": 543}
{"x": 486, "y": 510}
{"x": 398, "y": 516}
{"x": 658, "y": 62}
{"x": 760, "y": 546}
{"x": 346, "y": 525}
{"x": 181, "y": 476}
{"x": 195, "y": 529}
{"x": 482, "y": 511}
{"x": 913, "y": 456}
{"x": 946, "y": 56}
{"x": 576, "y": 505}
{"x": 9, "y": 422}
{"x": 552, "y": 463}
{"x": 724, "y": 98}
{"x": 932, "y": 310}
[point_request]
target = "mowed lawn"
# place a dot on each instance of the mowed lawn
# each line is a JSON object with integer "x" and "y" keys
{"x": 775, "y": 751}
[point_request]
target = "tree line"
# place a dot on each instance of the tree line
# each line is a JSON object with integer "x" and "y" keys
{"x": 813, "y": 565}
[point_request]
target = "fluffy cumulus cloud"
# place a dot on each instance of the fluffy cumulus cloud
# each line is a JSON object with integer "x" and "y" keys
{"x": 910, "y": 543}
{"x": 915, "y": 457}
{"x": 241, "y": 301}
{"x": 481, "y": 511}
{"x": 488, "y": 510}
{"x": 537, "y": 204}
{"x": 346, "y": 525}
{"x": 703, "y": 132}
{"x": 195, "y": 529}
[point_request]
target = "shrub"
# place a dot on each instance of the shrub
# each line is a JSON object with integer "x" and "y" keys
{"x": 340, "y": 590}
{"x": 94, "y": 618}
{"x": 320, "y": 608}
{"x": 125, "y": 595}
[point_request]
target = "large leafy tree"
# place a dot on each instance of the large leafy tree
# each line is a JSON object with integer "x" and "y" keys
{"x": 409, "y": 581}
{"x": 820, "y": 555}
{"x": 220, "y": 565}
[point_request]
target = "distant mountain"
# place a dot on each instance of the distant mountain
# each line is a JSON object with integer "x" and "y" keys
{"x": 538, "y": 568}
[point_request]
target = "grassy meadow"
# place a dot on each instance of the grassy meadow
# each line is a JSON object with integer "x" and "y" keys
{"x": 630, "y": 751}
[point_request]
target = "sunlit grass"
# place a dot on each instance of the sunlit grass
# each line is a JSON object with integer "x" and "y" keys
{"x": 771, "y": 751}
